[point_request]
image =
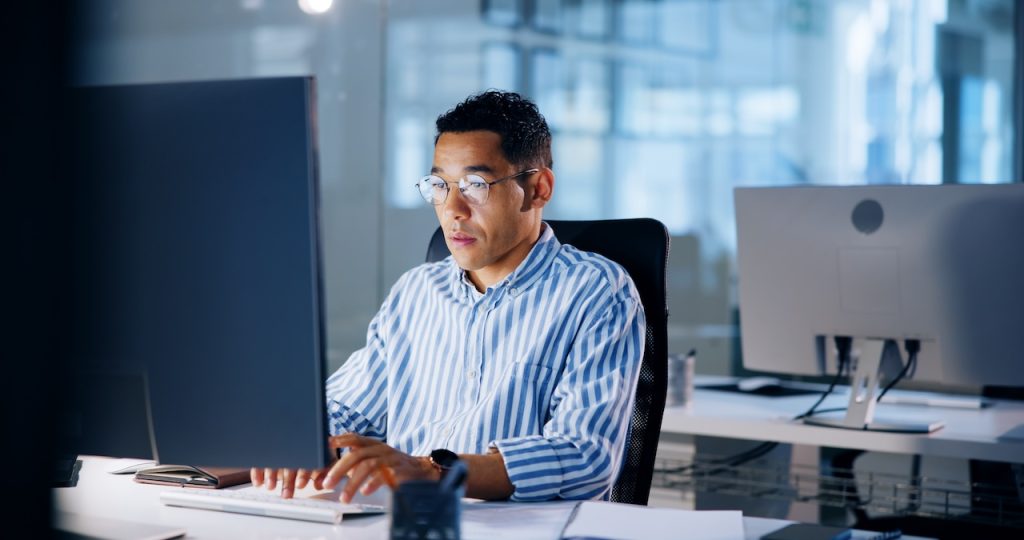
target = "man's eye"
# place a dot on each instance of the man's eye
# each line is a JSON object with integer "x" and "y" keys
{"x": 477, "y": 185}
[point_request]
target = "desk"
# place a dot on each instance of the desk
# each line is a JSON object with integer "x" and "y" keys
{"x": 118, "y": 497}
{"x": 995, "y": 433}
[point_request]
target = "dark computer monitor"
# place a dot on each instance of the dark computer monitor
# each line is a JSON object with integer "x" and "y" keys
{"x": 199, "y": 335}
{"x": 941, "y": 266}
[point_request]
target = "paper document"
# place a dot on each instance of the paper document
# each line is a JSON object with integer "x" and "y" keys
{"x": 612, "y": 521}
{"x": 514, "y": 521}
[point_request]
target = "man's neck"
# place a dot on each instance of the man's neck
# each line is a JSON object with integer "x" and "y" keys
{"x": 482, "y": 279}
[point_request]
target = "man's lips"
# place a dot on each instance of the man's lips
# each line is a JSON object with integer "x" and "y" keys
{"x": 461, "y": 239}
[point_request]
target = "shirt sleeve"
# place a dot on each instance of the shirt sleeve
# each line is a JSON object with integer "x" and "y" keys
{"x": 357, "y": 397}
{"x": 579, "y": 452}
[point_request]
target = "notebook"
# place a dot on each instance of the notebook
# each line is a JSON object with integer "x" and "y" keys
{"x": 189, "y": 476}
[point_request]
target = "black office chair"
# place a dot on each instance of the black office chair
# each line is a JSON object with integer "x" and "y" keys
{"x": 641, "y": 246}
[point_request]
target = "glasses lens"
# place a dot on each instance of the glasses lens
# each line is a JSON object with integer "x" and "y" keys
{"x": 474, "y": 189}
{"x": 433, "y": 189}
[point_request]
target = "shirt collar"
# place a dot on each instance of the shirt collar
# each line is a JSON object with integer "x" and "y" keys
{"x": 529, "y": 270}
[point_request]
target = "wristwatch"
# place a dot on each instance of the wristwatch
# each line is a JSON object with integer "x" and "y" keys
{"x": 443, "y": 459}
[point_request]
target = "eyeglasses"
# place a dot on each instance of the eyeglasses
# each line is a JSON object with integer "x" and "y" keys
{"x": 474, "y": 188}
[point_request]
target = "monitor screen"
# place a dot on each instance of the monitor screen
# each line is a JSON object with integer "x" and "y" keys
{"x": 198, "y": 309}
{"x": 940, "y": 264}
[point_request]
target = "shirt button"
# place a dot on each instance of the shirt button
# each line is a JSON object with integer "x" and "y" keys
{"x": 513, "y": 291}
{"x": 471, "y": 373}
{"x": 448, "y": 432}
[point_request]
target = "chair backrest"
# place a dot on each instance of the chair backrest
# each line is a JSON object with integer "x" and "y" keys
{"x": 641, "y": 246}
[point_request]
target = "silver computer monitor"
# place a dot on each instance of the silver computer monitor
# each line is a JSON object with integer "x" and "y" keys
{"x": 943, "y": 265}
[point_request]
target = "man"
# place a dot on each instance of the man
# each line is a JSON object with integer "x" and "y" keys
{"x": 517, "y": 352}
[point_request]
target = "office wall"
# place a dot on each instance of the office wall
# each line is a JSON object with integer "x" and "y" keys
{"x": 659, "y": 108}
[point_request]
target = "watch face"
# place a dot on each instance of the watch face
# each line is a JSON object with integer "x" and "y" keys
{"x": 444, "y": 458}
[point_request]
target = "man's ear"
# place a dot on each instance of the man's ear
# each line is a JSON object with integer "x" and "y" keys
{"x": 542, "y": 187}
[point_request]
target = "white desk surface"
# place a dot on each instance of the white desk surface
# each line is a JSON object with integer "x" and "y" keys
{"x": 104, "y": 495}
{"x": 995, "y": 433}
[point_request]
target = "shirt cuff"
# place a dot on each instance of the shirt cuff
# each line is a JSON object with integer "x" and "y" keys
{"x": 341, "y": 419}
{"x": 533, "y": 467}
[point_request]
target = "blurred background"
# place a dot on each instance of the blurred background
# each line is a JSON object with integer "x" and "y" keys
{"x": 658, "y": 108}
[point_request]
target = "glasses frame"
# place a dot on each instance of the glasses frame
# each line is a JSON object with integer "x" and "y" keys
{"x": 464, "y": 185}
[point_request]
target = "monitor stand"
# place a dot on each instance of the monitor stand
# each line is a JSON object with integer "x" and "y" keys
{"x": 864, "y": 387}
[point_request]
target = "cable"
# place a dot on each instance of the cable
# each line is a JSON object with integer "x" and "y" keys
{"x": 828, "y": 410}
{"x": 913, "y": 347}
{"x": 843, "y": 346}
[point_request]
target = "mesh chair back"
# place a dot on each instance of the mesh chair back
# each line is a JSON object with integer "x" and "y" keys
{"x": 641, "y": 246}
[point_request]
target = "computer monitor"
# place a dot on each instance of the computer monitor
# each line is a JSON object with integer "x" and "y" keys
{"x": 198, "y": 312}
{"x": 942, "y": 266}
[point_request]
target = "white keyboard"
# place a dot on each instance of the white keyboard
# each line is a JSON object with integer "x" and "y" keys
{"x": 265, "y": 504}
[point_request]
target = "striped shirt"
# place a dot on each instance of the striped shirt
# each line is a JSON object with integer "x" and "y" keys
{"x": 542, "y": 365}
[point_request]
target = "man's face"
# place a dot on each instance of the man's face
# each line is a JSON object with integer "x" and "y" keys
{"x": 490, "y": 240}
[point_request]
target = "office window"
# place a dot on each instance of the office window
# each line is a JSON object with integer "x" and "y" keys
{"x": 637, "y": 22}
{"x": 657, "y": 99}
{"x": 687, "y": 25}
{"x": 581, "y": 160}
{"x": 501, "y": 66}
{"x": 549, "y": 85}
{"x": 658, "y": 108}
{"x": 548, "y": 16}
{"x": 661, "y": 107}
{"x": 502, "y": 12}
{"x": 590, "y": 18}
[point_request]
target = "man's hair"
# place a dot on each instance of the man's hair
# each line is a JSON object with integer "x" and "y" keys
{"x": 525, "y": 138}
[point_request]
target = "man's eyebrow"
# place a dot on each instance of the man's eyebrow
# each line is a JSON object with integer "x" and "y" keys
{"x": 479, "y": 168}
{"x": 468, "y": 169}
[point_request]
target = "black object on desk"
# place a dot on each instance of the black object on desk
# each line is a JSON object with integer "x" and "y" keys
{"x": 768, "y": 390}
{"x": 428, "y": 510}
{"x": 65, "y": 471}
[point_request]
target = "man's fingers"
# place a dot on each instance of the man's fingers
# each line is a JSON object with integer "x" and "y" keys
{"x": 356, "y": 476}
{"x": 287, "y": 483}
{"x": 256, "y": 475}
{"x": 318, "y": 478}
{"x": 337, "y": 472}
{"x": 350, "y": 440}
{"x": 375, "y": 482}
{"x": 270, "y": 477}
{"x": 301, "y": 479}
{"x": 344, "y": 465}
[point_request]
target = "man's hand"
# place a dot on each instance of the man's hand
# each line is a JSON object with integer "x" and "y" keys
{"x": 290, "y": 479}
{"x": 370, "y": 464}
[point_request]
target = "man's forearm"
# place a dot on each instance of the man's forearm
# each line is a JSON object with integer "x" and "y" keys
{"x": 487, "y": 478}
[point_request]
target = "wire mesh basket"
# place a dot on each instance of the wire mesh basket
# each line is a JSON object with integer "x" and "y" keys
{"x": 878, "y": 493}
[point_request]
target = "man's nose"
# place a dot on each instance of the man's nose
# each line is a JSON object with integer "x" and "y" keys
{"x": 456, "y": 206}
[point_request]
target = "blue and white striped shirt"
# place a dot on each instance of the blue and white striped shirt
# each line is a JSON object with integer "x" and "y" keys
{"x": 542, "y": 365}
